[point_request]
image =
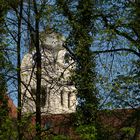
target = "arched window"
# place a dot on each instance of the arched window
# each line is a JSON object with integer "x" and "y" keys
{"x": 43, "y": 96}
{"x": 61, "y": 97}
{"x": 69, "y": 100}
{"x": 66, "y": 58}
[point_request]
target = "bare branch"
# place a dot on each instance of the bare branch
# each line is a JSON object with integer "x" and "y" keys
{"x": 116, "y": 50}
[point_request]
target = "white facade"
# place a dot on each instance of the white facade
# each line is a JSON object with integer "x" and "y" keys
{"x": 58, "y": 93}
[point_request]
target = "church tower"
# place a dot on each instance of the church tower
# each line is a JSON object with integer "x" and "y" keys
{"x": 58, "y": 93}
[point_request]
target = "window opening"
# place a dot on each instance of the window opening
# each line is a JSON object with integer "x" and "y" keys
{"x": 61, "y": 96}
{"x": 48, "y": 125}
{"x": 69, "y": 99}
{"x": 66, "y": 58}
{"x": 43, "y": 95}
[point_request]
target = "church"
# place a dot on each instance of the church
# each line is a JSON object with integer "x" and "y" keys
{"x": 58, "y": 93}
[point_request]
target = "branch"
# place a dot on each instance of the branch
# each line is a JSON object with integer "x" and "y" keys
{"x": 116, "y": 50}
{"x": 73, "y": 56}
{"x": 123, "y": 34}
{"x": 62, "y": 4}
{"x": 24, "y": 18}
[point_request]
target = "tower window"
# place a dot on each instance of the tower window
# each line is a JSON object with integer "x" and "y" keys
{"x": 66, "y": 58}
{"x": 69, "y": 99}
{"x": 61, "y": 96}
{"x": 43, "y": 95}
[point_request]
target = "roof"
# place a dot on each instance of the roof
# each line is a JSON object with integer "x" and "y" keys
{"x": 12, "y": 108}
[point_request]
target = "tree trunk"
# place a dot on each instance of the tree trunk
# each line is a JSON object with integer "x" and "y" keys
{"x": 38, "y": 73}
{"x": 19, "y": 70}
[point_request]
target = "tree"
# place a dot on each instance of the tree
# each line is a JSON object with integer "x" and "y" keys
{"x": 38, "y": 72}
{"x": 130, "y": 33}
{"x": 6, "y": 123}
{"x": 18, "y": 67}
{"x": 81, "y": 21}
{"x": 125, "y": 26}
{"x": 3, "y": 64}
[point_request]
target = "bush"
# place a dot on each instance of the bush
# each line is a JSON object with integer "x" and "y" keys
{"x": 87, "y": 132}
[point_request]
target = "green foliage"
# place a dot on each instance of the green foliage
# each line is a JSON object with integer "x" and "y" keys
{"x": 60, "y": 137}
{"x": 87, "y": 132}
{"x": 107, "y": 133}
{"x": 125, "y": 90}
{"x": 129, "y": 131}
{"x": 8, "y": 129}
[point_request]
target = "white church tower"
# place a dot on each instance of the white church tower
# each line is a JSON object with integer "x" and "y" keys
{"x": 58, "y": 94}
